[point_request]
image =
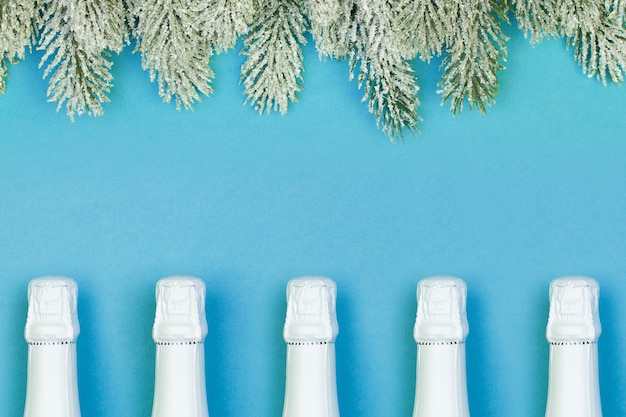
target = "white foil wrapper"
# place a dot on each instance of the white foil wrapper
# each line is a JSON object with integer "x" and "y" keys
{"x": 311, "y": 314}
{"x": 52, "y": 315}
{"x": 180, "y": 310}
{"x": 574, "y": 313}
{"x": 441, "y": 310}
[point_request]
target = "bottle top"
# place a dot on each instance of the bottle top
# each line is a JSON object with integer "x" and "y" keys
{"x": 52, "y": 315}
{"x": 441, "y": 314}
{"x": 573, "y": 310}
{"x": 180, "y": 315}
{"x": 311, "y": 314}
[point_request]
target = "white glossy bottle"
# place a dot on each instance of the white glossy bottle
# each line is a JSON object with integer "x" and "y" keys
{"x": 440, "y": 331}
{"x": 310, "y": 331}
{"x": 573, "y": 331}
{"x": 179, "y": 330}
{"x": 51, "y": 332}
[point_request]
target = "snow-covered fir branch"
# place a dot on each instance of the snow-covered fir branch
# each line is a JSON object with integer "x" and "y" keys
{"x": 4, "y": 73}
{"x": 476, "y": 49}
{"x": 272, "y": 72}
{"x": 77, "y": 37}
{"x": 594, "y": 28}
{"x": 538, "y": 18}
{"x": 421, "y": 27}
{"x": 387, "y": 78}
{"x": 16, "y": 33}
{"x": 173, "y": 48}
{"x": 596, "y": 31}
{"x": 226, "y": 20}
{"x": 332, "y": 26}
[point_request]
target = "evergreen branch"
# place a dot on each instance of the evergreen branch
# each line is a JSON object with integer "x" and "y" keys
{"x": 616, "y": 8}
{"x": 81, "y": 80}
{"x": 225, "y": 21}
{"x": 387, "y": 78}
{"x": 76, "y": 37}
{"x": 331, "y": 26}
{"x": 594, "y": 28}
{"x": 4, "y": 73}
{"x": 131, "y": 7}
{"x": 421, "y": 27}
{"x": 173, "y": 49}
{"x": 272, "y": 72}
{"x": 476, "y": 47}
{"x": 17, "y": 33}
{"x": 597, "y": 33}
{"x": 539, "y": 18}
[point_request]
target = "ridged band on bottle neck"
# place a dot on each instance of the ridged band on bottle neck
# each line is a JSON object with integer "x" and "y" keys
{"x": 574, "y": 315}
{"x": 52, "y": 311}
{"x": 311, "y": 310}
{"x": 180, "y": 310}
{"x": 441, "y": 311}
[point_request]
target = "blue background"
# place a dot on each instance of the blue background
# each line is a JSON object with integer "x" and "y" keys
{"x": 533, "y": 191}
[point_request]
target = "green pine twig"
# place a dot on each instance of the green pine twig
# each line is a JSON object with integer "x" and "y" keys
{"x": 476, "y": 51}
{"x": 77, "y": 38}
{"x": 225, "y": 21}
{"x": 387, "y": 78}
{"x": 174, "y": 50}
{"x": 272, "y": 72}
{"x": 17, "y": 33}
{"x": 331, "y": 26}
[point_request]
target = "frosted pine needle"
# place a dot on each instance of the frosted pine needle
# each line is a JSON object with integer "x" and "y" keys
{"x": 475, "y": 48}
{"x": 173, "y": 48}
{"x": 331, "y": 26}
{"x": 272, "y": 72}
{"x": 387, "y": 78}
{"x": 16, "y": 33}
{"x": 225, "y": 21}
{"x": 539, "y": 18}
{"x": 594, "y": 28}
{"x": 421, "y": 27}
{"x": 4, "y": 73}
{"x": 77, "y": 37}
{"x": 596, "y": 31}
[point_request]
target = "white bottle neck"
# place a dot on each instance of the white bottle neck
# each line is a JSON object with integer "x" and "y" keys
{"x": 573, "y": 387}
{"x": 441, "y": 388}
{"x": 180, "y": 384}
{"x": 52, "y": 384}
{"x": 311, "y": 385}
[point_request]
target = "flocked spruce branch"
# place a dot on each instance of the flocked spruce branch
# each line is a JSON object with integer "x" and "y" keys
{"x": 226, "y": 21}
{"x": 173, "y": 48}
{"x": 332, "y": 26}
{"x": 421, "y": 27}
{"x": 4, "y": 73}
{"x": 387, "y": 78}
{"x": 475, "y": 47}
{"x": 272, "y": 72}
{"x": 77, "y": 37}
{"x": 594, "y": 28}
{"x": 16, "y": 33}
{"x": 596, "y": 31}
{"x": 538, "y": 18}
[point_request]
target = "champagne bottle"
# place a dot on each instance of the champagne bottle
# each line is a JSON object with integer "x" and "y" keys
{"x": 440, "y": 331}
{"x": 310, "y": 331}
{"x": 51, "y": 331}
{"x": 573, "y": 331}
{"x": 179, "y": 330}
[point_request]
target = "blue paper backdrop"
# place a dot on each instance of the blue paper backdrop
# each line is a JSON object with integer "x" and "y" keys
{"x": 533, "y": 191}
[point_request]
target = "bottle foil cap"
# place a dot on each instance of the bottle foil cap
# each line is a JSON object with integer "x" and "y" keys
{"x": 311, "y": 313}
{"x": 441, "y": 314}
{"x": 52, "y": 315}
{"x": 180, "y": 315}
{"x": 574, "y": 313}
